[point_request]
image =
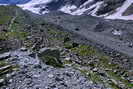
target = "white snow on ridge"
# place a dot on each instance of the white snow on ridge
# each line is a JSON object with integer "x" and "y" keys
{"x": 120, "y": 11}
{"x": 78, "y": 11}
{"x": 68, "y": 8}
{"x": 97, "y": 6}
{"x": 31, "y": 6}
{"x": 82, "y": 9}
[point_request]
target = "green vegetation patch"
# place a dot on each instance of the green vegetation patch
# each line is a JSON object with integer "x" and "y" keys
{"x": 84, "y": 50}
{"x": 107, "y": 73}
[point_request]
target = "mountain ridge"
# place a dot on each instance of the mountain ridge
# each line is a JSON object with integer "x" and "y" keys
{"x": 108, "y": 9}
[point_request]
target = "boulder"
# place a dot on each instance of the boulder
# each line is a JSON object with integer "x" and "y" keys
{"x": 51, "y": 56}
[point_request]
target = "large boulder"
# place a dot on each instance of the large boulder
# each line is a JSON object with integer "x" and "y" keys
{"x": 51, "y": 57}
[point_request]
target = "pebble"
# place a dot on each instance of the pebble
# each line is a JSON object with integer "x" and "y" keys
{"x": 1, "y": 80}
{"x": 10, "y": 80}
{"x": 95, "y": 69}
{"x": 130, "y": 45}
{"x": 50, "y": 75}
{"x": 36, "y": 76}
{"x": 4, "y": 56}
{"x": 117, "y": 32}
{"x": 67, "y": 58}
{"x": 68, "y": 65}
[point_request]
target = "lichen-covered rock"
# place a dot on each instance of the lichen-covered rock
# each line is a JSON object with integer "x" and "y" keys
{"x": 51, "y": 57}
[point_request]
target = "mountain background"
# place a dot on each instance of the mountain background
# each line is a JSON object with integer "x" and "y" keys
{"x": 108, "y": 9}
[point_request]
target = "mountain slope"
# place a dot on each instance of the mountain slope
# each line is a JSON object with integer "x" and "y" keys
{"x": 109, "y": 9}
{"x": 44, "y": 46}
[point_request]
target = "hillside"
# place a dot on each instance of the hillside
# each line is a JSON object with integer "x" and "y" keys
{"x": 35, "y": 48}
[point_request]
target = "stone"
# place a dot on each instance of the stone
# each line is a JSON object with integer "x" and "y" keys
{"x": 58, "y": 79}
{"x": 117, "y": 32}
{"x": 95, "y": 69}
{"x": 50, "y": 75}
{"x": 67, "y": 58}
{"x": 1, "y": 80}
{"x": 32, "y": 55}
{"x": 130, "y": 45}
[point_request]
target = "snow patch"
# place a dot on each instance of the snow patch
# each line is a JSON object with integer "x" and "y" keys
{"x": 68, "y": 8}
{"x": 32, "y": 6}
